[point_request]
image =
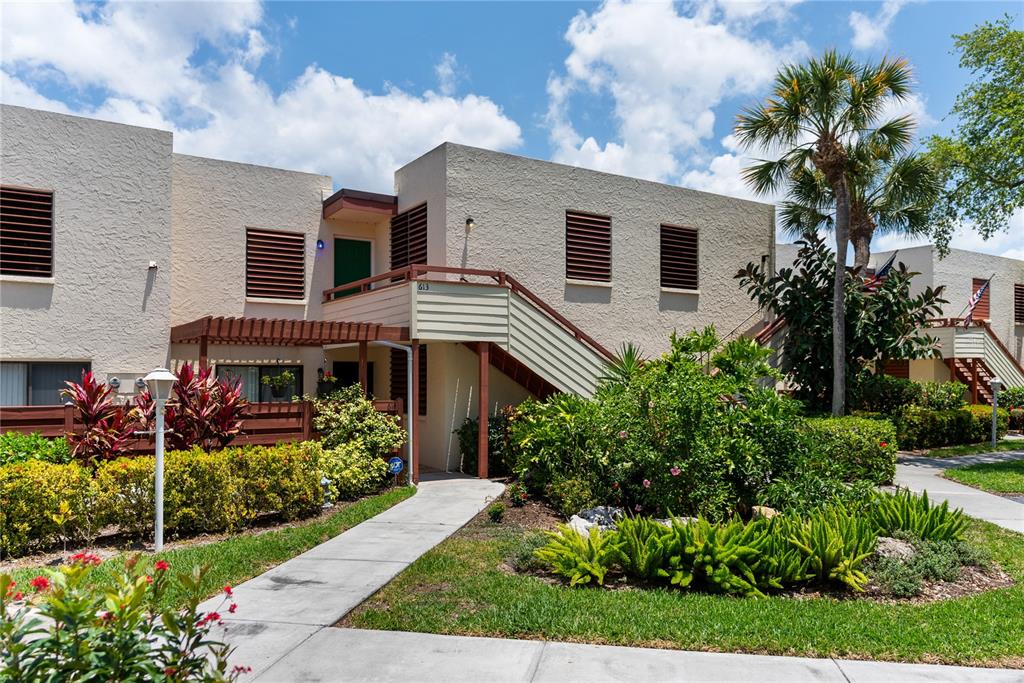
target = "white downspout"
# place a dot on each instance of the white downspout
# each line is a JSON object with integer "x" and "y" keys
{"x": 410, "y": 418}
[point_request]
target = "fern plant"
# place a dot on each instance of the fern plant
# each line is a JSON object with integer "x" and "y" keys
{"x": 782, "y": 564}
{"x": 644, "y": 544}
{"x": 836, "y": 544}
{"x": 916, "y": 515}
{"x": 722, "y": 557}
{"x": 580, "y": 559}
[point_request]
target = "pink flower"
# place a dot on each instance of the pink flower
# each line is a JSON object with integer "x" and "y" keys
{"x": 106, "y": 616}
{"x": 615, "y": 485}
{"x": 675, "y": 471}
{"x": 647, "y": 483}
{"x": 241, "y": 669}
{"x": 622, "y": 434}
{"x": 637, "y": 507}
{"x": 40, "y": 583}
{"x": 85, "y": 558}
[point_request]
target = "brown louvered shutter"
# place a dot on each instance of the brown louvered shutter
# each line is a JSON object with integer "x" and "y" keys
{"x": 399, "y": 377}
{"x": 275, "y": 264}
{"x": 26, "y": 232}
{"x": 982, "y": 309}
{"x": 897, "y": 368}
{"x": 680, "y": 265}
{"x": 588, "y": 247}
{"x": 1018, "y": 304}
{"x": 409, "y": 238}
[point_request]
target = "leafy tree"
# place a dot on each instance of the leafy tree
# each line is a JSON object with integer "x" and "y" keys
{"x": 884, "y": 324}
{"x": 889, "y": 193}
{"x": 982, "y": 162}
{"x": 815, "y": 112}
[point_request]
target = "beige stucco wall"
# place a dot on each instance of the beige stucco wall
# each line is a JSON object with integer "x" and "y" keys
{"x": 424, "y": 181}
{"x": 956, "y": 273}
{"x": 929, "y": 370}
{"x": 519, "y": 205}
{"x": 112, "y": 217}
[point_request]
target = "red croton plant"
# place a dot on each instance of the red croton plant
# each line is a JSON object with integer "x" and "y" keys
{"x": 203, "y": 410}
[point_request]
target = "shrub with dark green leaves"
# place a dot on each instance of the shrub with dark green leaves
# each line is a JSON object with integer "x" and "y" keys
{"x": 1016, "y": 419}
{"x": 496, "y": 512}
{"x": 916, "y": 515}
{"x": 498, "y": 452}
{"x": 883, "y": 394}
{"x": 1012, "y": 397}
{"x": 18, "y": 447}
{"x": 922, "y": 428}
{"x": 853, "y": 448}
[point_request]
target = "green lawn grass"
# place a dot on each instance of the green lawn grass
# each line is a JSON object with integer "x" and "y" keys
{"x": 997, "y": 477}
{"x": 461, "y": 587}
{"x": 977, "y": 448}
{"x": 242, "y": 557}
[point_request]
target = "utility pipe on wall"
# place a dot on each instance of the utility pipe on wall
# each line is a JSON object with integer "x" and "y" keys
{"x": 410, "y": 418}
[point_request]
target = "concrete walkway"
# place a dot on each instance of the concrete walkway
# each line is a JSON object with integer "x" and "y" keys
{"x": 337, "y": 654}
{"x": 279, "y": 610}
{"x": 925, "y": 474}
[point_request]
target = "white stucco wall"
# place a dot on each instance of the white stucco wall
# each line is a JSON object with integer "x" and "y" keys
{"x": 519, "y": 205}
{"x": 213, "y": 202}
{"x": 112, "y": 217}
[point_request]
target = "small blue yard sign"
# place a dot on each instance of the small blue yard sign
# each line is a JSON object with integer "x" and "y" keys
{"x": 395, "y": 465}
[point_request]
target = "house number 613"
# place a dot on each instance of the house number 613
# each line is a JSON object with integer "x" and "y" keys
{"x": 423, "y": 286}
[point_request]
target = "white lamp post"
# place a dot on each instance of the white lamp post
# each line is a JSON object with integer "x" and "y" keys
{"x": 996, "y": 384}
{"x": 160, "y": 382}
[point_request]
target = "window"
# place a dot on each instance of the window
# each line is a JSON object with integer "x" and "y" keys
{"x": 26, "y": 232}
{"x": 409, "y": 238}
{"x": 982, "y": 310}
{"x": 588, "y": 247}
{"x": 346, "y": 373}
{"x": 37, "y": 384}
{"x": 1018, "y": 304}
{"x": 253, "y": 387}
{"x": 275, "y": 264}
{"x": 400, "y": 373}
{"x": 680, "y": 267}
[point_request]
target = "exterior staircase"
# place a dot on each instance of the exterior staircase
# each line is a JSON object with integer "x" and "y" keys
{"x": 975, "y": 355}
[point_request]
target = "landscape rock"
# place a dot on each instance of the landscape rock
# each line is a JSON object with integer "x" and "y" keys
{"x": 580, "y": 525}
{"x": 764, "y": 512}
{"x": 894, "y": 548}
{"x": 604, "y": 516}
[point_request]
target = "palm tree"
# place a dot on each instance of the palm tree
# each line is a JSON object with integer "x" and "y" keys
{"x": 890, "y": 192}
{"x": 815, "y": 111}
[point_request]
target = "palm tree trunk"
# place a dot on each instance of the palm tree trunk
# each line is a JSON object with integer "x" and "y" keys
{"x": 861, "y": 239}
{"x": 842, "y": 195}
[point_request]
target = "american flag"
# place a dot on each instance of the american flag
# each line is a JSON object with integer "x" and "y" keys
{"x": 975, "y": 298}
{"x": 872, "y": 283}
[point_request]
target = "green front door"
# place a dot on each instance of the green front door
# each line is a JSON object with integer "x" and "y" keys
{"x": 352, "y": 261}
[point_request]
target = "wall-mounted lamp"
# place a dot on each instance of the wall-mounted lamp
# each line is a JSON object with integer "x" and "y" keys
{"x": 319, "y": 245}
{"x": 470, "y": 224}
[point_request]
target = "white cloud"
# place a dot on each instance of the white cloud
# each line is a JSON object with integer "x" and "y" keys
{"x": 665, "y": 72}
{"x": 447, "y": 73}
{"x": 871, "y": 32}
{"x": 1009, "y": 243}
{"x": 756, "y": 10}
{"x": 140, "y": 57}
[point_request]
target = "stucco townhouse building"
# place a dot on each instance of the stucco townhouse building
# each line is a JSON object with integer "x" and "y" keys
{"x": 484, "y": 279}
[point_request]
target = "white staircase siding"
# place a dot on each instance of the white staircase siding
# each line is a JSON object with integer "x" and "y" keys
{"x": 547, "y": 348}
{"x": 1005, "y": 369}
{"x": 460, "y": 312}
{"x": 977, "y": 342}
{"x": 386, "y": 306}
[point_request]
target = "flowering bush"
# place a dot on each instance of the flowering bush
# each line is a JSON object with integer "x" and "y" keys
{"x": 62, "y": 628}
{"x": 43, "y": 503}
{"x": 346, "y": 415}
{"x": 852, "y": 448}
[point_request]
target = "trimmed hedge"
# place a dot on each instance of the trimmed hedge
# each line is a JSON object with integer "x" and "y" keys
{"x": 917, "y": 428}
{"x": 204, "y": 492}
{"x": 853, "y": 448}
{"x": 18, "y": 447}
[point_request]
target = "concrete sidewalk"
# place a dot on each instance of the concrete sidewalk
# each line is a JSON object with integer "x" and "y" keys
{"x": 925, "y": 474}
{"x": 290, "y": 603}
{"x": 337, "y": 654}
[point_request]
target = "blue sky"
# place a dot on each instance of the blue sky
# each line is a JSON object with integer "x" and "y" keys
{"x": 354, "y": 90}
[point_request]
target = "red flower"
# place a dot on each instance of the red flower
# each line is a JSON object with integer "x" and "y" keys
{"x": 161, "y": 566}
{"x": 85, "y": 558}
{"x": 170, "y": 671}
{"x": 241, "y": 669}
{"x": 40, "y": 583}
{"x": 883, "y": 444}
{"x": 19, "y": 595}
{"x": 209, "y": 618}
{"x": 232, "y": 608}
{"x": 227, "y": 591}
{"x": 149, "y": 579}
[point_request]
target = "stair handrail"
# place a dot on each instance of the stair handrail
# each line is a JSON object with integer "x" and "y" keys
{"x": 415, "y": 271}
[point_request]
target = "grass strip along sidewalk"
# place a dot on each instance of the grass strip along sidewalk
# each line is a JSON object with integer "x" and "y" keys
{"x": 464, "y": 586}
{"x": 995, "y": 477}
{"x": 977, "y": 448}
{"x": 238, "y": 559}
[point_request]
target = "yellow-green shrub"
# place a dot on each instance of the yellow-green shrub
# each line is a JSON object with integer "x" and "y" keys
{"x": 199, "y": 495}
{"x": 351, "y": 470}
{"x": 125, "y": 494}
{"x": 282, "y": 479}
{"x": 31, "y": 516}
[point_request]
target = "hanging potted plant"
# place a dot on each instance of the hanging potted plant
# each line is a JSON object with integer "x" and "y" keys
{"x": 325, "y": 382}
{"x": 279, "y": 383}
